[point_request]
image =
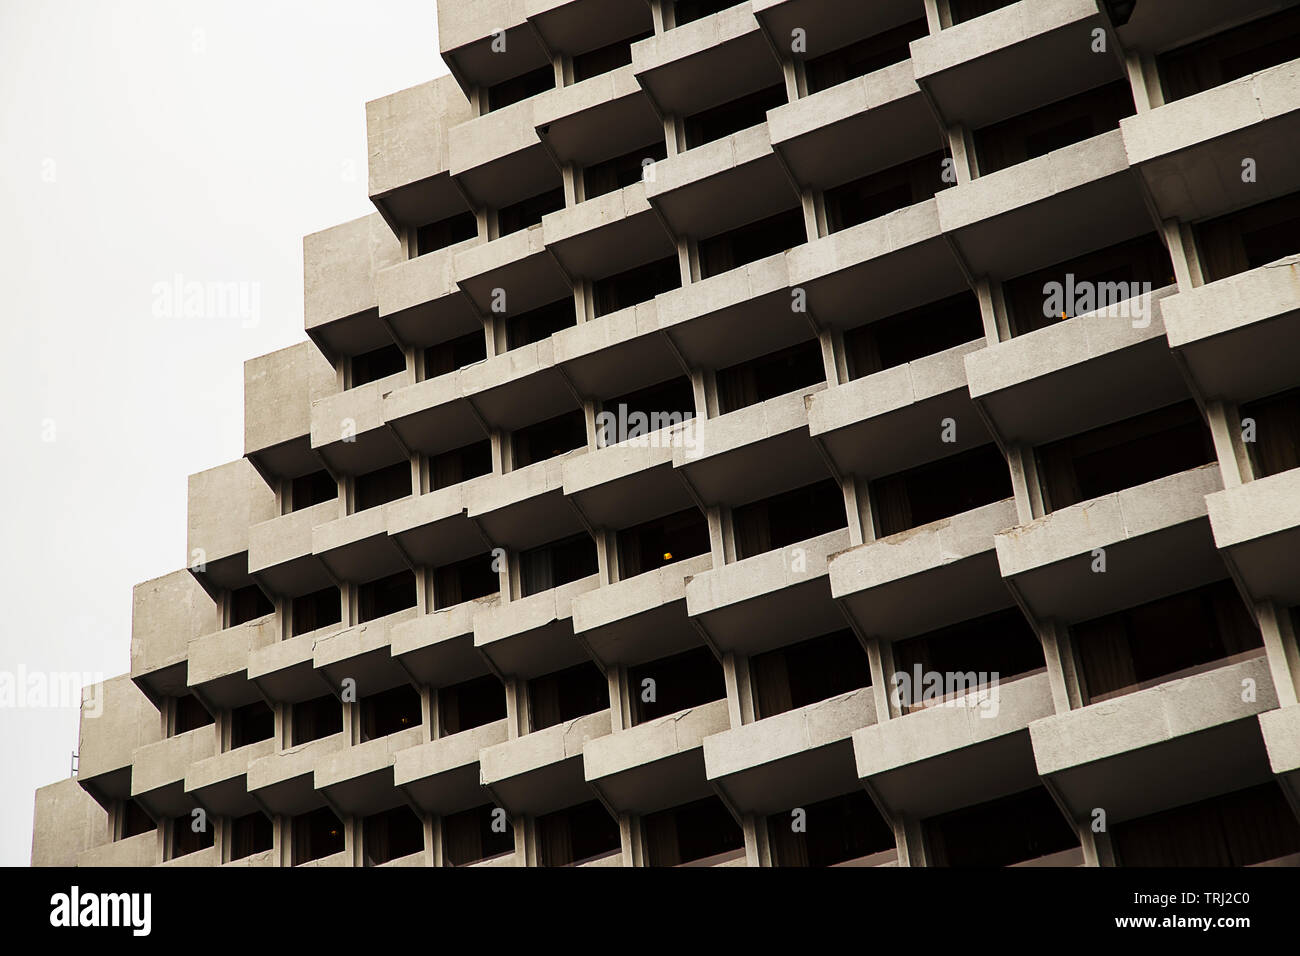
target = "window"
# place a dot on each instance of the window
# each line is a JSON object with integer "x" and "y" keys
{"x": 316, "y": 718}
{"x": 917, "y": 333}
{"x": 606, "y": 59}
{"x": 251, "y": 723}
{"x": 637, "y": 285}
{"x": 519, "y": 88}
{"x": 940, "y": 489}
{"x": 839, "y": 830}
{"x": 703, "y": 832}
{"x": 189, "y": 715}
{"x": 1276, "y": 447}
{"x": 1123, "y": 455}
{"x": 621, "y": 171}
{"x": 529, "y": 327}
{"x": 863, "y": 56}
{"x": 389, "y": 712}
{"x": 316, "y": 835}
{"x": 801, "y": 674}
{"x": 963, "y": 10}
{"x": 777, "y": 373}
{"x": 447, "y": 357}
{"x": 134, "y": 820}
{"x": 721, "y": 121}
{"x": 1052, "y": 127}
{"x": 746, "y": 244}
{"x": 445, "y": 232}
{"x": 557, "y": 563}
{"x": 383, "y": 485}
{"x": 381, "y": 363}
{"x": 1015, "y": 829}
{"x": 1230, "y": 55}
{"x": 465, "y": 580}
{"x": 681, "y": 681}
{"x": 477, "y": 834}
{"x": 391, "y": 835}
{"x": 460, "y": 464}
{"x": 687, "y": 11}
{"x": 576, "y": 835}
{"x": 308, "y": 490}
{"x": 528, "y": 212}
{"x": 663, "y": 541}
{"x": 788, "y": 518}
{"x": 1249, "y": 238}
{"x": 248, "y": 604}
{"x": 549, "y": 439}
{"x": 313, "y": 611}
{"x": 250, "y": 834}
{"x": 663, "y": 404}
{"x": 884, "y": 192}
{"x": 386, "y": 596}
{"x": 567, "y": 695}
{"x": 186, "y": 839}
{"x": 470, "y": 704}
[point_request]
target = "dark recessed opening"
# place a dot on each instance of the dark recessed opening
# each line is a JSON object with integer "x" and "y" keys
{"x": 313, "y": 611}
{"x": 477, "y": 834}
{"x": 460, "y": 464}
{"x": 386, "y": 596}
{"x": 662, "y": 541}
{"x": 470, "y": 704}
{"x": 757, "y": 240}
{"x": 250, "y": 834}
{"x": 1024, "y": 826}
{"x": 557, "y": 563}
{"x": 190, "y": 834}
{"x": 636, "y": 285}
{"x": 549, "y": 439}
{"x": 646, "y": 410}
{"x": 1249, "y": 238}
{"x": 447, "y": 357}
{"x": 698, "y": 831}
{"x": 251, "y": 723}
{"x": 381, "y": 363}
{"x": 863, "y": 56}
{"x": 914, "y": 334}
{"x": 566, "y": 695}
{"x": 519, "y": 88}
{"x": 134, "y": 820}
{"x": 316, "y": 835}
{"x": 190, "y": 715}
{"x": 465, "y": 580}
{"x": 725, "y": 119}
{"x": 675, "y": 683}
{"x": 687, "y": 11}
{"x": 316, "y": 718}
{"x": 391, "y": 835}
{"x": 577, "y": 834}
{"x": 610, "y": 57}
{"x": 834, "y": 831}
{"x": 541, "y": 323}
{"x": 389, "y": 712}
{"x": 801, "y": 674}
{"x": 884, "y": 192}
{"x": 529, "y": 212}
{"x": 963, "y": 10}
{"x": 1230, "y": 55}
{"x": 788, "y": 518}
{"x": 446, "y": 232}
{"x": 1276, "y": 447}
{"x": 248, "y": 604}
{"x": 308, "y": 490}
{"x": 777, "y": 373}
{"x": 383, "y": 485}
{"x": 939, "y": 489}
{"x": 621, "y": 171}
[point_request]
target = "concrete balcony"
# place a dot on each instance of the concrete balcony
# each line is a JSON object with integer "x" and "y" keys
{"x": 1085, "y": 371}
{"x": 265, "y": 858}
{"x": 721, "y": 185}
{"x": 1159, "y": 25}
{"x": 1237, "y": 337}
{"x": 208, "y": 856}
{"x": 166, "y": 613}
{"x": 1190, "y": 152}
{"x": 279, "y": 550}
{"x": 751, "y": 453}
{"x": 347, "y": 428}
{"x": 517, "y": 265}
{"x": 465, "y": 40}
{"x": 658, "y": 764}
{"x": 526, "y": 508}
{"x": 780, "y": 762}
{"x": 437, "y": 649}
{"x": 442, "y": 776}
{"x": 158, "y": 774}
{"x": 1257, "y": 526}
{"x": 1197, "y": 729}
{"x": 954, "y": 753}
{"x": 224, "y": 502}
{"x": 497, "y": 159}
{"x": 902, "y": 257}
{"x": 890, "y": 421}
{"x": 608, "y": 234}
{"x": 771, "y": 600}
{"x": 598, "y": 118}
{"x": 639, "y": 619}
{"x": 219, "y": 783}
{"x": 116, "y": 720}
{"x": 66, "y": 822}
{"x": 1013, "y": 60}
{"x": 1281, "y": 731}
{"x": 363, "y": 653}
{"x": 827, "y": 18}
{"x": 278, "y": 391}
{"x": 532, "y": 636}
{"x": 1008, "y": 223}
{"x": 218, "y": 662}
{"x": 518, "y": 388}
{"x": 339, "y": 269}
{"x": 863, "y": 126}
{"x": 570, "y": 27}
{"x": 283, "y": 782}
{"x": 357, "y": 547}
{"x": 406, "y": 136}
{"x": 420, "y": 299}
{"x": 886, "y": 586}
{"x": 605, "y": 355}
{"x": 1049, "y": 561}
{"x": 358, "y": 780}
{"x": 283, "y": 671}
{"x": 709, "y": 61}
{"x": 542, "y": 772}
{"x": 136, "y": 851}
{"x": 433, "y": 529}
{"x": 618, "y": 486}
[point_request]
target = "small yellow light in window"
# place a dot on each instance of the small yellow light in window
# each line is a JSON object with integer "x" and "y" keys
{"x": 668, "y": 555}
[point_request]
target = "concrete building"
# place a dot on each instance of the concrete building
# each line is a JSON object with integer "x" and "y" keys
{"x": 785, "y": 432}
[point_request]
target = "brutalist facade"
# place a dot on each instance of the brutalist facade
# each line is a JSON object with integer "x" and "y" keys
{"x": 789, "y": 432}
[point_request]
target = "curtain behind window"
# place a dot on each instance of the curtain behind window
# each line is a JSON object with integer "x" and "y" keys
{"x": 661, "y": 840}
{"x": 771, "y": 681}
{"x": 891, "y": 506}
{"x": 555, "y": 839}
{"x": 1107, "y": 658}
{"x": 753, "y": 530}
{"x": 462, "y": 837}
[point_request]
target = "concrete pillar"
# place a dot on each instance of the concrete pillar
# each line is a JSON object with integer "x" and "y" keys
{"x": 1280, "y": 644}
{"x": 1225, "y": 429}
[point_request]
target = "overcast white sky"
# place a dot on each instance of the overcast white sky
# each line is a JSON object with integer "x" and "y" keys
{"x": 141, "y": 140}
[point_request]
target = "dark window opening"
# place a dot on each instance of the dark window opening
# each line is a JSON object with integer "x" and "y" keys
{"x": 685, "y": 680}
{"x": 1053, "y": 127}
{"x": 884, "y": 192}
{"x": 319, "y": 609}
{"x": 1087, "y": 283}
{"x": 383, "y": 485}
{"x": 940, "y": 489}
{"x": 391, "y": 835}
{"x": 1161, "y": 639}
{"x": 386, "y": 595}
{"x": 557, "y": 563}
{"x": 654, "y": 544}
{"x": 792, "y": 677}
{"x": 698, "y": 832}
{"x": 1230, "y": 55}
{"x": 758, "y": 240}
{"x": 446, "y": 232}
{"x": 529, "y": 212}
{"x": 576, "y": 835}
{"x": 687, "y": 11}
{"x": 250, "y": 834}
{"x": 519, "y": 88}
{"x": 1123, "y": 455}
{"x": 838, "y": 830}
{"x": 529, "y": 327}
{"x": 963, "y": 10}
{"x": 316, "y": 718}
{"x": 389, "y": 712}
{"x": 251, "y": 723}
{"x": 1249, "y": 238}
{"x": 607, "y": 58}
{"x": 1024, "y": 826}
{"x": 635, "y": 286}
{"x": 1245, "y": 828}
{"x": 972, "y": 655}
{"x": 186, "y": 839}
{"x": 470, "y": 704}
{"x": 1276, "y": 447}
{"x": 381, "y": 363}
{"x": 248, "y": 604}
{"x": 190, "y": 715}
{"x": 465, "y": 580}
{"x": 621, "y": 171}
{"x": 316, "y": 835}
{"x": 447, "y": 357}
{"x": 788, "y": 518}
{"x": 913, "y": 335}
{"x": 777, "y": 373}
{"x": 743, "y": 113}
{"x": 477, "y": 834}
{"x": 549, "y": 439}
{"x": 663, "y": 404}
{"x": 308, "y": 490}
{"x": 134, "y": 820}
{"x": 863, "y": 56}
{"x": 567, "y": 695}
{"x": 460, "y": 464}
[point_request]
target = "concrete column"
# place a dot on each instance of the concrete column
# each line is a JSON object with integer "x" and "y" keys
{"x": 758, "y": 848}
{"x": 1182, "y": 252}
{"x": 1144, "y": 81}
{"x": 517, "y": 724}
{"x": 1280, "y": 644}
{"x": 880, "y": 658}
{"x": 630, "y": 836}
{"x": 910, "y": 840}
{"x": 1225, "y": 429}
{"x": 1058, "y": 652}
{"x": 740, "y": 696}
{"x": 1024, "y": 484}
{"x": 937, "y": 15}
{"x": 961, "y": 145}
